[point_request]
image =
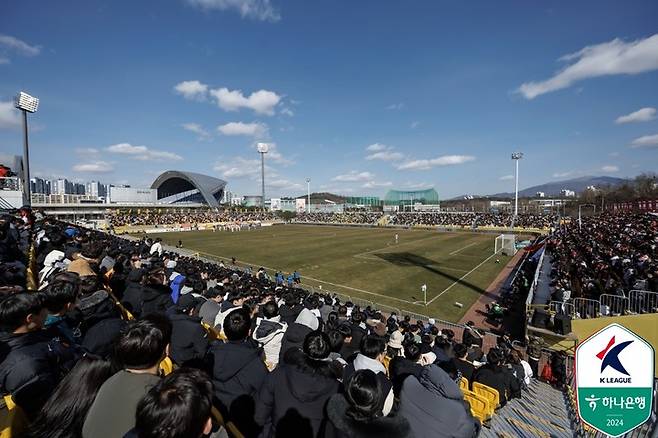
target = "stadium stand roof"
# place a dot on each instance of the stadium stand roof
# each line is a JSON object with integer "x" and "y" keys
{"x": 397, "y": 197}
{"x": 177, "y": 187}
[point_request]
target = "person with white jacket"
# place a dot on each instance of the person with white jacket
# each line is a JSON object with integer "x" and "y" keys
{"x": 269, "y": 332}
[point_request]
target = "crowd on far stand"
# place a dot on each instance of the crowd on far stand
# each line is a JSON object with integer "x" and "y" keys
{"x": 352, "y": 217}
{"x": 273, "y": 359}
{"x": 474, "y": 220}
{"x": 606, "y": 254}
{"x": 159, "y": 217}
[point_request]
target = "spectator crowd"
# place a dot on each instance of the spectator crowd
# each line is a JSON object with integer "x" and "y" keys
{"x": 605, "y": 254}
{"x": 159, "y": 217}
{"x": 85, "y": 351}
{"x": 470, "y": 220}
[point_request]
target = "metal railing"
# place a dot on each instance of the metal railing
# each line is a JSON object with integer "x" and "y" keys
{"x": 561, "y": 308}
{"x": 613, "y": 305}
{"x": 643, "y": 301}
{"x": 585, "y": 308}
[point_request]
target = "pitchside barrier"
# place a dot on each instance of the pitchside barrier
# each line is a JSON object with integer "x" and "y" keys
{"x": 613, "y": 305}
{"x": 643, "y": 301}
{"x": 586, "y": 308}
{"x": 561, "y": 308}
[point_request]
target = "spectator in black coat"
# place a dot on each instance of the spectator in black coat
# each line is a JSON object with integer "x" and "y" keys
{"x": 496, "y": 376}
{"x": 189, "y": 341}
{"x": 238, "y": 369}
{"x": 305, "y": 323}
{"x": 29, "y": 357}
{"x": 461, "y": 363}
{"x": 471, "y": 336}
{"x": 357, "y": 414}
{"x": 293, "y": 398}
{"x": 290, "y": 309}
{"x": 156, "y": 296}
{"x": 132, "y": 296}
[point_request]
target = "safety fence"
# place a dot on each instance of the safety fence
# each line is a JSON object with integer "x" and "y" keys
{"x": 638, "y": 302}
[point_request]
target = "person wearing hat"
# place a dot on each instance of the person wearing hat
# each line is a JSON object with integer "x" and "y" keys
{"x": 189, "y": 341}
{"x": 471, "y": 336}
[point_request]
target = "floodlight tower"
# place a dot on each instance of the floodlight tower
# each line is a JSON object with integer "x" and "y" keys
{"x": 308, "y": 194}
{"x": 27, "y": 104}
{"x": 516, "y": 156}
{"x": 262, "y": 150}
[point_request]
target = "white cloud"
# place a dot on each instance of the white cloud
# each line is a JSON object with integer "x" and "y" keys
{"x": 383, "y": 152}
{"x": 641, "y": 115}
{"x": 86, "y": 151}
{"x": 611, "y": 58}
{"x": 94, "y": 167}
{"x": 261, "y": 101}
{"x": 193, "y": 90}
{"x": 354, "y": 176}
{"x": 610, "y": 168}
{"x": 376, "y": 185}
{"x": 376, "y": 147}
{"x": 283, "y": 184}
{"x": 142, "y": 152}
{"x": 9, "y": 116}
{"x": 395, "y": 106}
{"x": 445, "y": 160}
{"x": 261, "y": 10}
{"x": 21, "y": 47}
{"x": 415, "y": 124}
{"x": 386, "y": 156}
{"x": 239, "y": 167}
{"x": 647, "y": 141}
{"x": 506, "y": 177}
{"x": 287, "y": 111}
{"x": 563, "y": 174}
{"x": 197, "y": 129}
{"x": 256, "y": 130}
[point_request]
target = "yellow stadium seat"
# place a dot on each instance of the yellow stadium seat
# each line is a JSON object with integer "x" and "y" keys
{"x": 463, "y": 384}
{"x": 488, "y": 393}
{"x": 479, "y": 406}
{"x": 217, "y": 416}
{"x": 166, "y": 366}
{"x": 13, "y": 421}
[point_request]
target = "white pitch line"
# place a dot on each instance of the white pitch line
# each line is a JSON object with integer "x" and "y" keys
{"x": 463, "y": 248}
{"x": 360, "y": 255}
{"x": 462, "y": 277}
{"x": 317, "y": 280}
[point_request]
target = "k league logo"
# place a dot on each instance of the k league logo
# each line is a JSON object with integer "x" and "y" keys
{"x": 614, "y": 380}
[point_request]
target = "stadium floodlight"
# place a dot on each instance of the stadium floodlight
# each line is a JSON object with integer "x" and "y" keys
{"x": 27, "y": 104}
{"x": 308, "y": 194}
{"x": 516, "y": 156}
{"x": 262, "y": 148}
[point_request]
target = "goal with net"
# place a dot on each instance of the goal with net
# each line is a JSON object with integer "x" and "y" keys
{"x": 505, "y": 244}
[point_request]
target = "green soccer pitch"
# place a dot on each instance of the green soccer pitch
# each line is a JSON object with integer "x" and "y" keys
{"x": 365, "y": 263}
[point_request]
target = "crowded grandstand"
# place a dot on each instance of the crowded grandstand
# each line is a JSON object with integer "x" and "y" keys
{"x": 100, "y": 332}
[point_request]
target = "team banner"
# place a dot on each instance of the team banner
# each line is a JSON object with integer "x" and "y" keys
{"x": 614, "y": 380}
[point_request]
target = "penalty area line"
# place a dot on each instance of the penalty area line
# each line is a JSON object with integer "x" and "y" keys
{"x": 460, "y": 279}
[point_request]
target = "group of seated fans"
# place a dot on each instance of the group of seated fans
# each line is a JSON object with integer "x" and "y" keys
{"x": 347, "y": 217}
{"x": 470, "y": 220}
{"x": 86, "y": 354}
{"x": 606, "y": 254}
{"x": 159, "y": 217}
{"x": 474, "y": 220}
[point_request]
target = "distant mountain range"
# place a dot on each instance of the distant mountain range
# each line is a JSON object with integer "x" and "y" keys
{"x": 554, "y": 188}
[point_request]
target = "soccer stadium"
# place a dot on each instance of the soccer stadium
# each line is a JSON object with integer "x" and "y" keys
{"x": 261, "y": 251}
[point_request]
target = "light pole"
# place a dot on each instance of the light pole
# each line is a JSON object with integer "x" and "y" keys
{"x": 580, "y": 222}
{"x": 308, "y": 194}
{"x": 27, "y": 104}
{"x": 516, "y": 156}
{"x": 262, "y": 150}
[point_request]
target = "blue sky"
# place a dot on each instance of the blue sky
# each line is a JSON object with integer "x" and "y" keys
{"x": 360, "y": 96}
